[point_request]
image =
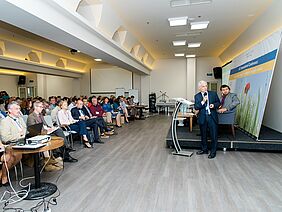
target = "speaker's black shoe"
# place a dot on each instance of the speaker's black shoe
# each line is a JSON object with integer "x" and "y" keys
{"x": 201, "y": 152}
{"x": 211, "y": 156}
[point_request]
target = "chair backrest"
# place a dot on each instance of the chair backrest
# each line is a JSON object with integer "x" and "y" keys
{"x": 25, "y": 118}
{"x": 48, "y": 120}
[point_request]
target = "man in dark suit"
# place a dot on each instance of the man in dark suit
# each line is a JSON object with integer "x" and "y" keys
{"x": 80, "y": 113}
{"x": 207, "y": 102}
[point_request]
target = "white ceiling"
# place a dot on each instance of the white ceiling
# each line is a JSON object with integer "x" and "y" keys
{"x": 148, "y": 21}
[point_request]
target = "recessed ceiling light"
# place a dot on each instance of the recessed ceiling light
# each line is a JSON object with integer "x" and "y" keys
{"x": 199, "y": 25}
{"x": 98, "y": 60}
{"x": 194, "y": 45}
{"x": 178, "y": 21}
{"x": 189, "y": 34}
{"x": 179, "y": 55}
{"x": 182, "y": 3}
{"x": 179, "y": 43}
{"x": 190, "y": 55}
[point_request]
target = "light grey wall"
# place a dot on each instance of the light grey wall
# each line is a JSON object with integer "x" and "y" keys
{"x": 273, "y": 110}
{"x": 10, "y": 84}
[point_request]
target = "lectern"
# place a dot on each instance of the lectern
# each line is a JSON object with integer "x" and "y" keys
{"x": 175, "y": 118}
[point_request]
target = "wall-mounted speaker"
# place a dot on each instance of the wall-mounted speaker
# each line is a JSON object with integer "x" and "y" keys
{"x": 22, "y": 80}
{"x": 217, "y": 72}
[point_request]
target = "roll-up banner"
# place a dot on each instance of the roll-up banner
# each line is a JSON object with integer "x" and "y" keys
{"x": 250, "y": 78}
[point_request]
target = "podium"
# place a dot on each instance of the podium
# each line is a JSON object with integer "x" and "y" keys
{"x": 175, "y": 118}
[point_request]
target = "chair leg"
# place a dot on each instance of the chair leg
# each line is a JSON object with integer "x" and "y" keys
{"x": 233, "y": 130}
{"x": 21, "y": 167}
{"x": 16, "y": 173}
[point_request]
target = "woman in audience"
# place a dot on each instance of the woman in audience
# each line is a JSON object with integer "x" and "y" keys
{"x": 65, "y": 119}
{"x": 110, "y": 113}
{"x": 123, "y": 107}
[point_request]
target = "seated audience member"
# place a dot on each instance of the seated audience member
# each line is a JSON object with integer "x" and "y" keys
{"x": 29, "y": 107}
{"x": 46, "y": 108}
{"x": 13, "y": 126}
{"x": 107, "y": 109}
{"x": 86, "y": 106}
{"x": 12, "y": 129}
{"x": 123, "y": 107}
{"x": 72, "y": 104}
{"x": 228, "y": 100}
{"x": 79, "y": 113}
{"x": 54, "y": 113}
{"x": 53, "y": 102}
{"x": 2, "y": 110}
{"x": 98, "y": 113}
{"x": 65, "y": 119}
{"x": 131, "y": 104}
{"x": 36, "y": 117}
{"x": 110, "y": 113}
{"x": 4, "y": 95}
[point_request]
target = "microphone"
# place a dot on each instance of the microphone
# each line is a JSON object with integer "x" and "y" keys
{"x": 205, "y": 93}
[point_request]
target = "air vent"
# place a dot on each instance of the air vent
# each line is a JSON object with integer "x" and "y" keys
{"x": 182, "y": 3}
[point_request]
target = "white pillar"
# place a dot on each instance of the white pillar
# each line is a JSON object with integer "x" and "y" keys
{"x": 190, "y": 78}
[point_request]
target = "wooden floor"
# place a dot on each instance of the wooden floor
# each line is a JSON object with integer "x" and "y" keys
{"x": 134, "y": 171}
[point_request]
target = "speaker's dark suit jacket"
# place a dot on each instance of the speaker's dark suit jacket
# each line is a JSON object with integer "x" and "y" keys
{"x": 213, "y": 99}
{"x": 208, "y": 121}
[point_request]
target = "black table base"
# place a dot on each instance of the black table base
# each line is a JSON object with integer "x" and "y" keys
{"x": 45, "y": 190}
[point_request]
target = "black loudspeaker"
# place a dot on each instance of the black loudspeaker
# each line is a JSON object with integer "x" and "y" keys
{"x": 22, "y": 80}
{"x": 217, "y": 72}
{"x": 152, "y": 103}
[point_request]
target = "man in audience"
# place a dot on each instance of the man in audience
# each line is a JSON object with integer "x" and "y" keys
{"x": 207, "y": 102}
{"x": 54, "y": 113}
{"x": 36, "y": 117}
{"x": 98, "y": 113}
{"x": 53, "y": 101}
{"x": 85, "y": 108}
{"x": 228, "y": 100}
{"x": 79, "y": 113}
{"x": 12, "y": 129}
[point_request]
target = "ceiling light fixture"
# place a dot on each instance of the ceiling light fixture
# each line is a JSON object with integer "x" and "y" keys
{"x": 98, "y": 60}
{"x": 179, "y": 55}
{"x": 182, "y": 3}
{"x": 199, "y": 25}
{"x": 178, "y": 21}
{"x": 189, "y": 34}
{"x": 194, "y": 45}
{"x": 179, "y": 43}
{"x": 190, "y": 55}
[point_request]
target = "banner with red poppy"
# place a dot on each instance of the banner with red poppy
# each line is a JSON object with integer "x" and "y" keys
{"x": 250, "y": 78}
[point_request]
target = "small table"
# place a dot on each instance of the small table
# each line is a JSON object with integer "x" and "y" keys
{"x": 187, "y": 115}
{"x": 140, "y": 108}
{"x": 39, "y": 189}
{"x": 165, "y": 105}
